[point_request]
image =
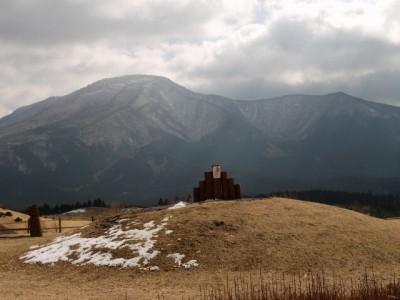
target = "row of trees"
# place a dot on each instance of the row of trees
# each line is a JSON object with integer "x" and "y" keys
{"x": 46, "y": 209}
{"x": 382, "y": 206}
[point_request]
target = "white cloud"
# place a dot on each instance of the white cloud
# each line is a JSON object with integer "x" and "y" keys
{"x": 241, "y": 49}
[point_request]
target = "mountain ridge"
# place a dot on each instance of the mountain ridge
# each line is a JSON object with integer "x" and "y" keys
{"x": 137, "y": 138}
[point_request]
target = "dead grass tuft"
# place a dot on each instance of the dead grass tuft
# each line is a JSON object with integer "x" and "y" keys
{"x": 314, "y": 286}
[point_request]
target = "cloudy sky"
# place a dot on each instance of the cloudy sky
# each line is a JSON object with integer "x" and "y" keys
{"x": 243, "y": 49}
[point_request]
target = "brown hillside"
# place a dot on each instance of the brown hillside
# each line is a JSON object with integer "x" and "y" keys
{"x": 272, "y": 235}
{"x": 15, "y": 214}
{"x": 7, "y": 223}
{"x": 227, "y": 237}
{"x": 282, "y": 235}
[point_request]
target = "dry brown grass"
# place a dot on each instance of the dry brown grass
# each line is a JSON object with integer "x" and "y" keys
{"x": 235, "y": 237}
{"x": 8, "y": 222}
{"x": 313, "y": 287}
{"x": 48, "y": 224}
{"x": 15, "y": 214}
{"x": 283, "y": 235}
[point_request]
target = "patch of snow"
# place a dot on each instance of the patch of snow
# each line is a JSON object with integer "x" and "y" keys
{"x": 99, "y": 250}
{"x": 76, "y": 211}
{"x": 81, "y": 251}
{"x": 166, "y": 219}
{"x": 190, "y": 263}
{"x": 180, "y": 204}
{"x": 177, "y": 257}
{"x": 122, "y": 220}
{"x": 151, "y": 268}
{"x": 148, "y": 224}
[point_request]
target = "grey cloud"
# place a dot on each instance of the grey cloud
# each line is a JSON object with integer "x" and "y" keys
{"x": 338, "y": 50}
{"x": 52, "y": 47}
{"x": 61, "y": 22}
{"x": 380, "y": 87}
{"x": 44, "y": 21}
{"x": 366, "y": 65}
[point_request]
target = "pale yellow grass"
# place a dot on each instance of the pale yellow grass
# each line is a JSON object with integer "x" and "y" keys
{"x": 47, "y": 224}
{"x": 9, "y": 222}
{"x": 233, "y": 237}
{"x": 285, "y": 235}
{"x": 15, "y": 215}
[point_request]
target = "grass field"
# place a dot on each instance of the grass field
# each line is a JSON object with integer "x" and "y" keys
{"x": 227, "y": 239}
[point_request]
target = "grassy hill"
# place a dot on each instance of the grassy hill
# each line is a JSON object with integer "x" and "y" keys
{"x": 12, "y": 215}
{"x": 281, "y": 235}
{"x": 7, "y": 221}
{"x": 222, "y": 238}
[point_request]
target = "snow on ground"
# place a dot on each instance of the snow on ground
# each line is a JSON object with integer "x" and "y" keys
{"x": 177, "y": 257}
{"x": 79, "y": 250}
{"x": 122, "y": 220}
{"x": 76, "y": 211}
{"x": 180, "y": 204}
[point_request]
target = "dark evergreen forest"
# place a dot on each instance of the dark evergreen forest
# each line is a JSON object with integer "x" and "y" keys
{"x": 46, "y": 209}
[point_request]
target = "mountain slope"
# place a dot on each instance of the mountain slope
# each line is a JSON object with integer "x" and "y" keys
{"x": 329, "y": 135}
{"x": 138, "y": 138}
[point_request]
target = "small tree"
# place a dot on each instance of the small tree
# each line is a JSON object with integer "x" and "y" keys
{"x": 189, "y": 199}
{"x": 160, "y": 202}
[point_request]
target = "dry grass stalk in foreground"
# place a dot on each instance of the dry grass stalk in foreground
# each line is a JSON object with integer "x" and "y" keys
{"x": 314, "y": 287}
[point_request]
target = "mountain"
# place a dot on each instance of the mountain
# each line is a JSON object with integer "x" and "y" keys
{"x": 138, "y": 138}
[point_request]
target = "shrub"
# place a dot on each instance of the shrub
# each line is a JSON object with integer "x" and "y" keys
{"x": 313, "y": 287}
